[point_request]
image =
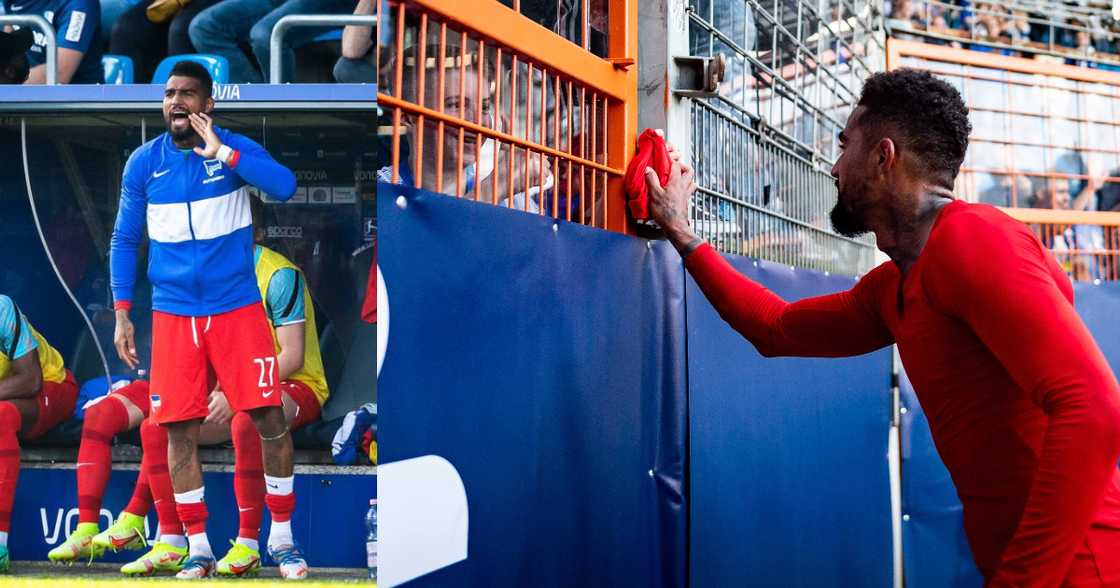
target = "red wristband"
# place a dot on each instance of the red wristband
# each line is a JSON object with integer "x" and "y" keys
{"x": 122, "y": 305}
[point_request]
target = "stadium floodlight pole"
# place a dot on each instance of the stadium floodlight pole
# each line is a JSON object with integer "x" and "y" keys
{"x": 306, "y": 20}
{"x": 48, "y": 35}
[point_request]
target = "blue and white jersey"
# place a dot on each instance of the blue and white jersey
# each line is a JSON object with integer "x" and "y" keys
{"x": 200, "y": 260}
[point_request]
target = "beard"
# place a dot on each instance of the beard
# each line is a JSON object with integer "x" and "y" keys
{"x": 181, "y": 135}
{"x": 846, "y": 222}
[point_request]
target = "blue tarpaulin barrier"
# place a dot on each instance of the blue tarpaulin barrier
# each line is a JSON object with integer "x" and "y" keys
{"x": 545, "y": 362}
{"x": 789, "y": 472}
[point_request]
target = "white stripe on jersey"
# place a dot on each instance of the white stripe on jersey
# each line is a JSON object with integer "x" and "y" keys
{"x": 210, "y": 218}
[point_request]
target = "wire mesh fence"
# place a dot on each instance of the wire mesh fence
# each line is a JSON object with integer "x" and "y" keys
{"x": 764, "y": 146}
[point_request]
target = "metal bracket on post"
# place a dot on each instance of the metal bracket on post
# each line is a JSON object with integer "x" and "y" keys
{"x": 699, "y": 77}
{"x": 48, "y": 36}
{"x": 306, "y": 20}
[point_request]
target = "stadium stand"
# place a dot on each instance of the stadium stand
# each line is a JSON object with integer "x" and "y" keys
{"x": 149, "y": 31}
{"x": 791, "y": 75}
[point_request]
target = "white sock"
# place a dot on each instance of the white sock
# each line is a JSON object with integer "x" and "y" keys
{"x": 280, "y": 534}
{"x": 3, "y": 538}
{"x": 250, "y": 543}
{"x": 279, "y": 486}
{"x": 200, "y": 546}
{"x": 196, "y": 495}
{"x": 179, "y": 541}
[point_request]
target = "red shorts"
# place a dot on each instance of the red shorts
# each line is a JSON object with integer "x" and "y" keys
{"x": 1097, "y": 563}
{"x": 237, "y": 345}
{"x": 307, "y": 404}
{"x": 56, "y": 404}
{"x": 138, "y": 394}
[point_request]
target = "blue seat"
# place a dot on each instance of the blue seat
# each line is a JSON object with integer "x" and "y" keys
{"x": 117, "y": 69}
{"x": 217, "y": 65}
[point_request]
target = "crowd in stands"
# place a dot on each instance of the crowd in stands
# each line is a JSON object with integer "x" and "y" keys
{"x": 147, "y": 31}
{"x": 1073, "y": 29}
{"x": 1080, "y": 248}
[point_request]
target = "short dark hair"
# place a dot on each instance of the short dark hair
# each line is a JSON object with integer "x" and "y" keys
{"x": 193, "y": 69}
{"x": 927, "y": 111}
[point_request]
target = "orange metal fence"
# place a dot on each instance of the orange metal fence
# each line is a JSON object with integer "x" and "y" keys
{"x": 486, "y": 104}
{"x": 1086, "y": 244}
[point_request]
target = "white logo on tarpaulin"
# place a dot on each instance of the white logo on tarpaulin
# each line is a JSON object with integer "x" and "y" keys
{"x": 424, "y": 518}
{"x": 382, "y": 320}
{"x": 212, "y": 166}
{"x": 65, "y": 522}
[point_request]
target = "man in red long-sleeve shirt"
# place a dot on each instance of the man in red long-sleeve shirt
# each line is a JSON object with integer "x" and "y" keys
{"x": 1023, "y": 407}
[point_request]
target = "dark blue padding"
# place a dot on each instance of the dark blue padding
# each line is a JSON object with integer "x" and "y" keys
{"x": 935, "y": 548}
{"x": 789, "y": 477}
{"x": 547, "y": 367}
{"x": 1098, "y": 305}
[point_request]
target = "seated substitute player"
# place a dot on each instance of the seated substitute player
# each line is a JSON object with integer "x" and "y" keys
{"x": 36, "y": 393}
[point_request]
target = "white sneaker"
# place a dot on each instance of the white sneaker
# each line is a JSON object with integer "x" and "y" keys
{"x": 292, "y": 564}
{"x": 195, "y": 568}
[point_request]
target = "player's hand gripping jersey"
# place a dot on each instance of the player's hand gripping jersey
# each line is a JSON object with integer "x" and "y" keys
{"x": 200, "y": 260}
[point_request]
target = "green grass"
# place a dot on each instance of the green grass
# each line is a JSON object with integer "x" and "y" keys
{"x": 43, "y": 575}
{"x": 69, "y": 579}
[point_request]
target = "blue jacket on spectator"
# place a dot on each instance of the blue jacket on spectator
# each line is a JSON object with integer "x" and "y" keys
{"x": 76, "y": 23}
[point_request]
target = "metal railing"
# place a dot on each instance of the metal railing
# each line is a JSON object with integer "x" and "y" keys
{"x": 488, "y": 105}
{"x": 48, "y": 36}
{"x": 759, "y": 198}
{"x": 1086, "y": 244}
{"x": 276, "y": 41}
{"x": 764, "y": 146}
